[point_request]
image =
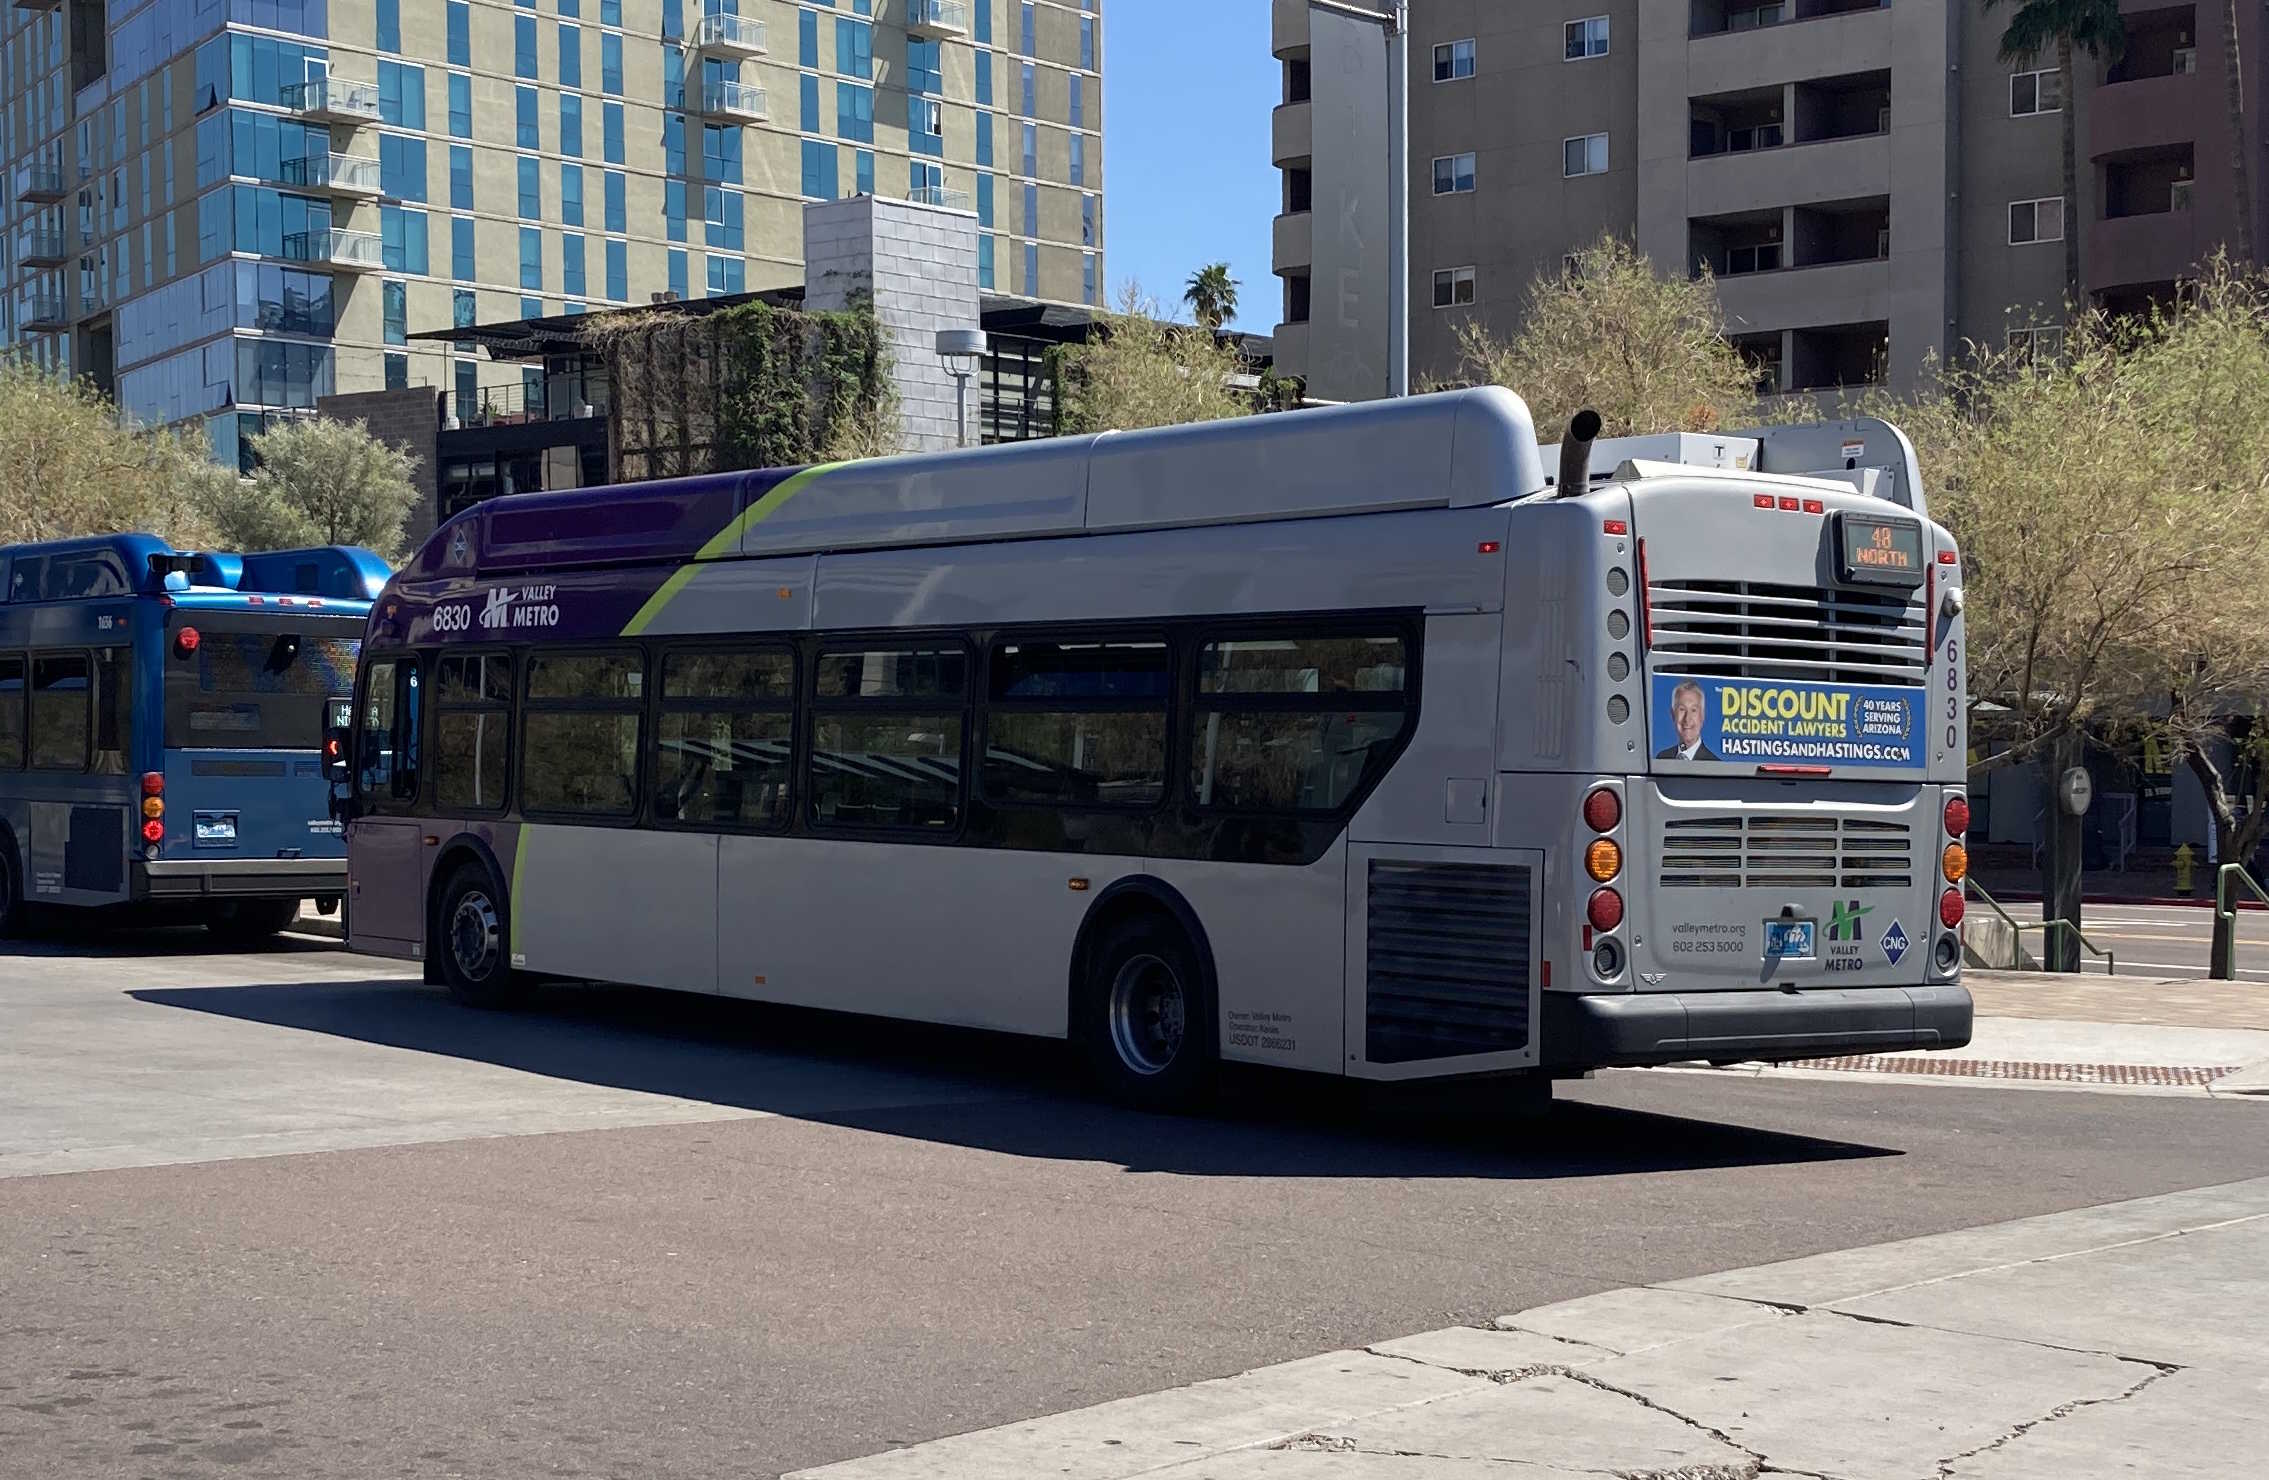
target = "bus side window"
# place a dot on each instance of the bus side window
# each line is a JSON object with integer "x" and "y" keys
{"x": 374, "y": 741}
{"x": 62, "y": 707}
{"x": 408, "y": 734}
{"x": 114, "y": 710}
{"x": 12, "y": 712}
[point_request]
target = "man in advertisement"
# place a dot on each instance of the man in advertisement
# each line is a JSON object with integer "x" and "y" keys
{"x": 1688, "y": 710}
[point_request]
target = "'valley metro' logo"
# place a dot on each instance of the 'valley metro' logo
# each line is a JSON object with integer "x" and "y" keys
{"x": 1843, "y": 920}
{"x": 497, "y": 612}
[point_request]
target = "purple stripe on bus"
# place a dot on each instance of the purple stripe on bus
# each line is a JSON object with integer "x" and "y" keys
{"x": 664, "y": 521}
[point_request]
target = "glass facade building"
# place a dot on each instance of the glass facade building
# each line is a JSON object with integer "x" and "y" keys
{"x": 226, "y": 210}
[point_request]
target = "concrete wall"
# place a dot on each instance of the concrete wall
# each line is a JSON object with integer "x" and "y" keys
{"x": 919, "y": 265}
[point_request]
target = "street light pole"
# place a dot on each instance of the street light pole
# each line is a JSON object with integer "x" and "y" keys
{"x": 961, "y": 349}
{"x": 1396, "y": 20}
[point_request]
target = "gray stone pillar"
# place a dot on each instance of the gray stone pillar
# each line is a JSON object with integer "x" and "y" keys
{"x": 918, "y": 263}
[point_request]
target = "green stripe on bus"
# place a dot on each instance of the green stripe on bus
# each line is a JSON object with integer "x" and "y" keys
{"x": 519, "y": 867}
{"x": 723, "y": 543}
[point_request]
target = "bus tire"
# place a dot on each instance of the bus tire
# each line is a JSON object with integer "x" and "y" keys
{"x": 248, "y": 920}
{"x": 472, "y": 939}
{"x": 1144, "y": 1018}
{"x": 15, "y": 915}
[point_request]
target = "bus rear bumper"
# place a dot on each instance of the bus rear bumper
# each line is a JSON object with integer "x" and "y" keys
{"x": 1584, "y": 1030}
{"x": 241, "y": 878}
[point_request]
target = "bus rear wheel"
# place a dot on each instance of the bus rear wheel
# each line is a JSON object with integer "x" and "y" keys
{"x": 247, "y": 920}
{"x": 1145, "y": 1017}
{"x": 472, "y": 939}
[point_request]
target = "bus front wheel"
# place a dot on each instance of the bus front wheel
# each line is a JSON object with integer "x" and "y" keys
{"x": 472, "y": 938}
{"x": 1145, "y": 1019}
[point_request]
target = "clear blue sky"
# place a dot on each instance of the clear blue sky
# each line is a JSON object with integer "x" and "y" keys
{"x": 1187, "y": 90}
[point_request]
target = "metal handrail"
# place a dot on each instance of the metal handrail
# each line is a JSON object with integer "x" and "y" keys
{"x": 2226, "y": 913}
{"x": 2047, "y": 928}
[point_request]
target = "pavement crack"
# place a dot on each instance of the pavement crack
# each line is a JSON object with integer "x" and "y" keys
{"x": 2061, "y": 1410}
{"x": 1507, "y": 1323}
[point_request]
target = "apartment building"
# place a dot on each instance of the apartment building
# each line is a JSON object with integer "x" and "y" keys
{"x": 1869, "y": 183}
{"x": 226, "y": 210}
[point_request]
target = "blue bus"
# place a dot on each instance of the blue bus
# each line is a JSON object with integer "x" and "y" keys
{"x": 161, "y": 719}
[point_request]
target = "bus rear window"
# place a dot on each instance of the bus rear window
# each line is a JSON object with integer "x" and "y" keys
{"x": 254, "y": 686}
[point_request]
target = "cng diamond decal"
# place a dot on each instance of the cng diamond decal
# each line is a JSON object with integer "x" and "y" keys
{"x": 1894, "y": 942}
{"x": 1843, "y": 919}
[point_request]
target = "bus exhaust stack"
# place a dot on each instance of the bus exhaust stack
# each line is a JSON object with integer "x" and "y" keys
{"x": 1575, "y": 454}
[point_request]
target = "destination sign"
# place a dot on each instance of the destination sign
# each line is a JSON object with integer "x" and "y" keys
{"x": 1884, "y": 552}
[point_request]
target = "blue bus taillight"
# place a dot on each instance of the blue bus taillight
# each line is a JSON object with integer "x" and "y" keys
{"x": 185, "y": 641}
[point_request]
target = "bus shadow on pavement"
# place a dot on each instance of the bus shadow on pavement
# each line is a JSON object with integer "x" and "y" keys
{"x": 144, "y": 939}
{"x": 1007, "y": 1094}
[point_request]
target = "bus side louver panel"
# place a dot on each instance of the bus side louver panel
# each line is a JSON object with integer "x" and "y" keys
{"x": 1448, "y": 951}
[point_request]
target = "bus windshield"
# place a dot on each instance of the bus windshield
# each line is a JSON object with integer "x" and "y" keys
{"x": 248, "y": 683}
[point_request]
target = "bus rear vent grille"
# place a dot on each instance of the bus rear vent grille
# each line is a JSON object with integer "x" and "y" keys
{"x": 1815, "y": 634}
{"x": 1448, "y": 947}
{"x": 1738, "y": 852}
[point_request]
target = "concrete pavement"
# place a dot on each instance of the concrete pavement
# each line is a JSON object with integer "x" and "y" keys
{"x": 2120, "y": 1339}
{"x": 629, "y": 1233}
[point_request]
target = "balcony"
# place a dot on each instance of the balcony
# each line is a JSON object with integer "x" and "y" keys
{"x": 2129, "y": 251}
{"x": 1812, "y": 43}
{"x": 514, "y": 405}
{"x": 937, "y": 20}
{"x": 42, "y": 246}
{"x": 355, "y": 251}
{"x": 1293, "y": 242}
{"x": 1288, "y": 26}
{"x": 940, "y": 196}
{"x": 737, "y": 101}
{"x": 45, "y": 313}
{"x": 332, "y": 100}
{"x": 1793, "y": 174}
{"x": 40, "y": 180}
{"x": 734, "y": 38}
{"x": 2147, "y": 113}
{"x": 1806, "y": 297}
{"x": 1292, "y": 133}
{"x": 353, "y": 176}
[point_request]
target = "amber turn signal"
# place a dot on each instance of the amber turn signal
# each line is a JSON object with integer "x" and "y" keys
{"x": 1603, "y": 860}
{"x": 1954, "y": 863}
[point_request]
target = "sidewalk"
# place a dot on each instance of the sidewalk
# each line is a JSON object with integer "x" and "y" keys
{"x": 2122, "y": 1339}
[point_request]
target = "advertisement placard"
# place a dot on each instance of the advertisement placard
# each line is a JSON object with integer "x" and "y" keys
{"x": 1760, "y": 721}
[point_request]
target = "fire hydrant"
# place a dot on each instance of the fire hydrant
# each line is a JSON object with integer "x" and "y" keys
{"x": 2183, "y": 859}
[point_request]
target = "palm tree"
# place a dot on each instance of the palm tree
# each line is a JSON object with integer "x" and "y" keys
{"x": 2233, "y": 89}
{"x": 2092, "y": 26}
{"x": 1212, "y": 295}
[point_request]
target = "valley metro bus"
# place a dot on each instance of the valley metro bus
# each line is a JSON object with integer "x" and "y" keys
{"x": 160, "y": 713}
{"x": 1343, "y": 740}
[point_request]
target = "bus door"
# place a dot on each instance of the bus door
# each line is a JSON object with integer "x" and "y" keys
{"x": 386, "y": 895}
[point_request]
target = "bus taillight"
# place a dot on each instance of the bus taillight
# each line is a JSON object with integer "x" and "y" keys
{"x": 1605, "y": 910}
{"x": 1950, "y": 908}
{"x": 1957, "y": 816}
{"x": 153, "y": 783}
{"x": 185, "y": 641}
{"x": 153, "y": 831}
{"x": 1602, "y": 810}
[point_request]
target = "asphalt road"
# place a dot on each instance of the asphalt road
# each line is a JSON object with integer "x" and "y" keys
{"x": 2166, "y": 940}
{"x": 292, "y": 1214}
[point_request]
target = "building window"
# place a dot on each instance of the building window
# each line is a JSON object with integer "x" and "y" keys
{"x": 1453, "y": 61}
{"x": 1586, "y": 155}
{"x": 570, "y": 56}
{"x": 460, "y": 28}
{"x": 1297, "y": 80}
{"x": 1031, "y": 149}
{"x": 1587, "y": 38}
{"x": 395, "y": 312}
{"x": 2035, "y": 92}
{"x": 1453, "y": 286}
{"x": 397, "y": 372}
{"x": 1299, "y": 189}
{"x": 524, "y": 46}
{"x": 2036, "y": 220}
{"x": 1031, "y": 270}
{"x": 524, "y": 134}
{"x": 1296, "y": 298}
{"x": 1762, "y": 257}
{"x": 1030, "y": 92}
{"x": 2037, "y": 342}
{"x": 531, "y": 259}
{"x": 1453, "y": 174}
{"x": 531, "y": 189}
